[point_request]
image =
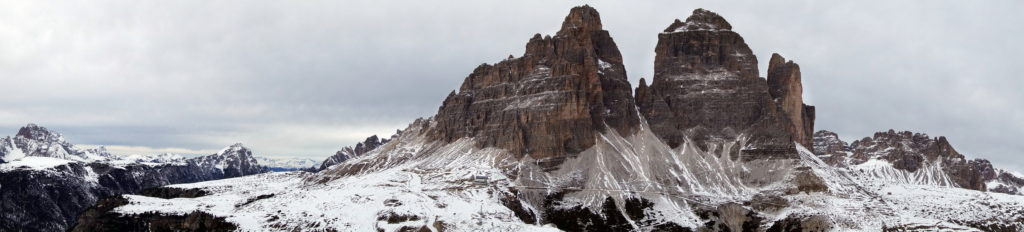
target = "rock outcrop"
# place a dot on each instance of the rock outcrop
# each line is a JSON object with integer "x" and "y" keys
{"x": 552, "y": 101}
{"x": 706, "y": 88}
{"x": 360, "y": 148}
{"x": 785, "y": 86}
{"x": 916, "y": 152}
{"x": 831, "y": 149}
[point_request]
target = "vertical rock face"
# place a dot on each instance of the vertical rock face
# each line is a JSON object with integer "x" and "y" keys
{"x": 550, "y": 102}
{"x": 785, "y": 87}
{"x": 706, "y": 88}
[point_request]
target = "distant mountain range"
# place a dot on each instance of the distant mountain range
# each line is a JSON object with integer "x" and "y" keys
{"x": 289, "y": 164}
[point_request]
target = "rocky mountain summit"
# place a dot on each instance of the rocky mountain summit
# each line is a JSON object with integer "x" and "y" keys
{"x": 551, "y": 101}
{"x": 36, "y": 141}
{"x": 554, "y": 140}
{"x": 706, "y": 88}
{"x": 45, "y": 181}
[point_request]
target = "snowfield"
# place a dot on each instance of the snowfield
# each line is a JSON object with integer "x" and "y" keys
{"x": 401, "y": 196}
{"x": 33, "y": 163}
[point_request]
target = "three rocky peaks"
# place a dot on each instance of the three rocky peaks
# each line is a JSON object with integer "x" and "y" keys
{"x": 567, "y": 89}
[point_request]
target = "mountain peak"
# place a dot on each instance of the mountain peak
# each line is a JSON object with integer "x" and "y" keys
{"x": 700, "y": 20}
{"x": 552, "y": 101}
{"x": 581, "y": 18}
{"x": 236, "y": 148}
{"x": 36, "y": 132}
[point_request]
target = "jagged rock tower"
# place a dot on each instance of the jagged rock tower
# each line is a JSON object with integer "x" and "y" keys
{"x": 706, "y": 88}
{"x": 786, "y": 89}
{"x": 550, "y": 102}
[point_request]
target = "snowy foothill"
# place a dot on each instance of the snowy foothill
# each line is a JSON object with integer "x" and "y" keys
{"x": 405, "y": 195}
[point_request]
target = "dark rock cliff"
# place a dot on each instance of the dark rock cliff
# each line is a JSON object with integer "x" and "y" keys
{"x": 552, "y": 101}
{"x": 784, "y": 84}
{"x": 706, "y": 88}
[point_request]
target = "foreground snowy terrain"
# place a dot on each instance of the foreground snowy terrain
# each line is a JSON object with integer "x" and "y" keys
{"x": 416, "y": 184}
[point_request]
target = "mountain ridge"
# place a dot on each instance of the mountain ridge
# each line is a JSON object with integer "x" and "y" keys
{"x": 61, "y": 180}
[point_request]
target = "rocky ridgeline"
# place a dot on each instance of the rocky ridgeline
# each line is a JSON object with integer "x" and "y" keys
{"x": 706, "y": 88}
{"x": 346, "y": 153}
{"x": 912, "y": 152}
{"x": 50, "y": 197}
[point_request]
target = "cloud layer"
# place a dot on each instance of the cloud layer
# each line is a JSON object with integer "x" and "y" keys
{"x": 305, "y": 78}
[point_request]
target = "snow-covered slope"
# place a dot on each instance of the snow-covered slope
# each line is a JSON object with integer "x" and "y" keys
{"x": 413, "y": 183}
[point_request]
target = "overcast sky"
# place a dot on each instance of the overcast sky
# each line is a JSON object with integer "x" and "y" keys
{"x": 304, "y": 78}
